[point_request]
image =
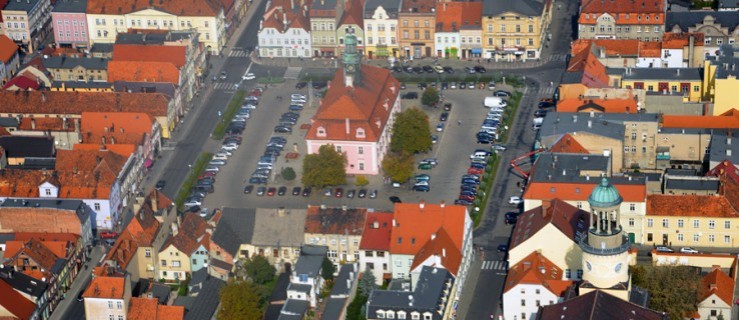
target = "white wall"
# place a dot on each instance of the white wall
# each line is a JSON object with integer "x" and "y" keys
{"x": 377, "y": 261}
{"x": 512, "y": 300}
{"x": 295, "y": 42}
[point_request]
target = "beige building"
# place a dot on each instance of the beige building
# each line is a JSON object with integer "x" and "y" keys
{"x": 107, "y": 298}
{"x": 77, "y": 69}
{"x": 26, "y": 22}
{"x": 340, "y": 229}
{"x": 515, "y": 31}
{"x": 416, "y": 27}
{"x": 188, "y": 236}
{"x": 324, "y": 15}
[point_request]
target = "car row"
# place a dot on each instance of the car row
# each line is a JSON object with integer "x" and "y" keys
{"x": 350, "y": 194}
{"x": 421, "y": 183}
{"x": 265, "y": 164}
{"x": 437, "y": 69}
{"x": 470, "y": 182}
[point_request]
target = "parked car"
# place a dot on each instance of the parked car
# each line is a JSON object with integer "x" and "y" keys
{"x": 664, "y": 249}
{"x": 689, "y": 250}
{"x": 462, "y": 202}
{"x": 213, "y": 168}
{"x": 283, "y": 129}
{"x": 282, "y": 191}
{"x": 421, "y": 188}
{"x": 444, "y": 116}
{"x": 350, "y": 194}
{"x": 339, "y": 192}
{"x": 540, "y": 113}
{"x": 373, "y": 194}
{"x": 248, "y": 189}
{"x": 491, "y": 85}
{"x": 108, "y": 234}
{"x": 300, "y": 85}
{"x": 160, "y": 184}
{"x": 261, "y": 191}
{"x": 501, "y": 93}
{"x": 255, "y": 180}
{"x": 395, "y": 199}
{"x": 424, "y": 166}
{"x": 422, "y": 177}
{"x": 248, "y": 76}
{"x": 498, "y": 148}
{"x": 362, "y": 193}
{"x": 296, "y": 191}
{"x": 271, "y": 191}
{"x": 307, "y": 192}
{"x": 515, "y": 200}
{"x": 440, "y": 127}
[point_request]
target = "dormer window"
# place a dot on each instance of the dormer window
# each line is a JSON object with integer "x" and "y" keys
{"x": 360, "y": 133}
{"x": 321, "y": 132}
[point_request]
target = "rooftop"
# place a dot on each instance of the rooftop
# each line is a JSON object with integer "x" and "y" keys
{"x": 568, "y": 144}
{"x": 690, "y": 206}
{"x": 603, "y": 124}
{"x": 342, "y": 221}
{"x": 536, "y": 269}
{"x": 105, "y": 288}
{"x": 63, "y": 62}
{"x": 724, "y": 147}
{"x": 64, "y": 102}
{"x": 150, "y": 309}
{"x": 8, "y": 48}
{"x": 442, "y": 252}
{"x": 392, "y": 7}
{"x": 597, "y": 105}
{"x": 236, "y": 227}
{"x": 140, "y": 232}
{"x": 726, "y": 62}
{"x": 455, "y": 16}
{"x": 691, "y": 183}
{"x": 531, "y": 8}
{"x": 688, "y": 19}
{"x": 206, "y": 8}
{"x": 377, "y": 230}
{"x": 70, "y": 6}
{"x": 174, "y": 54}
{"x": 14, "y": 303}
{"x": 116, "y": 127}
{"x": 608, "y": 47}
{"x": 21, "y": 5}
{"x": 568, "y": 219}
{"x": 415, "y": 223}
{"x": 279, "y": 227}
{"x": 672, "y": 74}
{"x": 719, "y": 283}
{"x": 701, "y": 122}
{"x": 598, "y": 305}
{"x": 418, "y": 6}
{"x": 22, "y": 283}
{"x": 310, "y": 260}
{"x": 428, "y": 294}
{"x": 143, "y": 71}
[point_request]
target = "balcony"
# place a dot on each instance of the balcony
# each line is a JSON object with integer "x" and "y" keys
{"x": 608, "y": 251}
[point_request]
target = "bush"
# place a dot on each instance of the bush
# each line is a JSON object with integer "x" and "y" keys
{"x": 361, "y": 181}
{"x": 192, "y": 178}
{"x": 233, "y": 106}
{"x": 288, "y": 174}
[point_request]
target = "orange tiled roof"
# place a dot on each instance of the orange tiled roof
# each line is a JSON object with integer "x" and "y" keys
{"x": 191, "y": 230}
{"x": 143, "y": 71}
{"x": 203, "y": 8}
{"x": 175, "y": 55}
{"x": 536, "y": 269}
{"x": 39, "y": 253}
{"x": 119, "y": 148}
{"x": 679, "y": 40}
{"x": 106, "y": 288}
{"x": 725, "y": 170}
{"x": 358, "y": 107}
{"x": 334, "y": 221}
{"x": 593, "y": 71}
{"x": 612, "y": 47}
{"x": 422, "y": 7}
{"x": 442, "y": 246}
{"x": 569, "y": 191}
{"x": 353, "y": 13}
{"x": 150, "y": 309}
{"x": 689, "y": 206}
{"x": 597, "y": 105}
{"x": 567, "y": 218}
{"x": 650, "y": 49}
{"x": 377, "y": 229}
{"x": 414, "y": 225}
{"x": 624, "y": 11}
{"x": 15, "y": 303}
{"x": 702, "y": 122}
{"x": 461, "y": 15}
{"x": 83, "y": 160}
{"x": 48, "y": 236}
{"x": 24, "y": 219}
{"x": 140, "y": 232}
{"x": 115, "y": 127}
{"x": 46, "y": 124}
{"x": 719, "y": 283}
{"x": 8, "y": 48}
{"x": 275, "y": 16}
{"x": 568, "y": 144}
{"x": 68, "y": 102}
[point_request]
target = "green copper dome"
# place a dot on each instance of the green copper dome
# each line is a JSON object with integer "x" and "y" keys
{"x": 605, "y": 195}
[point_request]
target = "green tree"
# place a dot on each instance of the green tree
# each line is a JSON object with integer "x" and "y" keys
{"x": 288, "y": 173}
{"x": 399, "y": 167}
{"x": 367, "y": 283}
{"x": 684, "y": 285}
{"x": 325, "y": 168}
{"x": 361, "y": 181}
{"x": 411, "y": 132}
{"x": 240, "y": 300}
{"x": 430, "y": 97}
{"x": 354, "y": 310}
{"x": 327, "y": 269}
{"x": 259, "y": 270}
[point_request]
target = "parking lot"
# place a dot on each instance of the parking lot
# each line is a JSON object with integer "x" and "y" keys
{"x": 455, "y": 143}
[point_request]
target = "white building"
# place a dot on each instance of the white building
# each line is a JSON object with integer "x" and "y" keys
{"x": 284, "y": 32}
{"x": 107, "y": 298}
{"x": 374, "y": 249}
{"x": 380, "y": 28}
{"x": 533, "y": 282}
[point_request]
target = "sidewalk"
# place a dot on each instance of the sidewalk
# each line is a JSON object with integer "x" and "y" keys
{"x": 77, "y": 285}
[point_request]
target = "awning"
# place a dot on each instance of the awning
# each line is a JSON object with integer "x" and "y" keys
{"x": 148, "y": 163}
{"x": 476, "y": 51}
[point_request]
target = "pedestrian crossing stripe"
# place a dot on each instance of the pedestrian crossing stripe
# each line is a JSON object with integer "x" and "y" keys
{"x": 238, "y": 53}
{"x": 225, "y": 86}
{"x": 494, "y": 265}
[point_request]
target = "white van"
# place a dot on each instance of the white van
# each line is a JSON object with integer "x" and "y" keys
{"x": 491, "y": 102}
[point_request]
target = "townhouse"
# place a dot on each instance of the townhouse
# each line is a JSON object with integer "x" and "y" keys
{"x": 73, "y": 216}
{"x": 416, "y": 27}
{"x": 351, "y": 21}
{"x": 602, "y": 303}
{"x": 381, "y": 28}
{"x": 106, "y": 298}
{"x": 343, "y": 292}
{"x": 428, "y": 299}
{"x": 515, "y": 30}
{"x": 284, "y": 31}
{"x": 324, "y": 20}
{"x": 23, "y": 296}
{"x": 717, "y": 294}
{"x": 185, "y": 251}
{"x": 374, "y": 254}
{"x": 687, "y": 81}
{"x": 340, "y": 229}
{"x": 622, "y": 19}
{"x": 451, "y": 19}
{"x": 9, "y": 59}
{"x": 306, "y": 281}
{"x": 107, "y": 18}
{"x": 532, "y": 283}
{"x": 718, "y": 27}
{"x": 150, "y": 309}
{"x": 71, "y": 69}
{"x": 719, "y": 78}
{"x": 27, "y": 22}
{"x": 69, "y": 21}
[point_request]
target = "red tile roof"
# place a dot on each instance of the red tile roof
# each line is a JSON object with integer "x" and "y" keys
{"x": 597, "y": 105}
{"x": 625, "y": 11}
{"x": 21, "y": 82}
{"x": 140, "y": 232}
{"x": 353, "y": 14}
{"x": 67, "y": 102}
{"x": 650, "y": 49}
{"x": 365, "y": 106}
{"x": 415, "y": 225}
{"x": 689, "y": 206}
{"x": 48, "y": 236}
{"x": 568, "y": 144}
{"x": 441, "y": 246}
{"x": 726, "y": 171}
{"x": 106, "y": 288}
{"x": 461, "y": 15}
{"x": 18, "y": 306}
{"x": 593, "y": 71}
{"x": 536, "y": 269}
{"x": 567, "y": 218}
{"x": 175, "y": 55}
{"x": 115, "y": 127}
{"x": 612, "y": 47}
{"x": 680, "y": 40}
{"x": 278, "y": 13}
{"x": 121, "y": 149}
{"x": 191, "y": 231}
{"x": 377, "y": 229}
{"x": 143, "y": 71}
{"x": 41, "y": 255}
{"x": 203, "y": 8}
{"x": 46, "y": 124}
{"x": 150, "y": 309}
{"x": 420, "y": 6}
{"x": 719, "y": 283}
{"x": 580, "y": 191}
{"x": 702, "y": 122}
{"x": 334, "y": 221}
{"x": 26, "y": 219}
{"x": 8, "y": 48}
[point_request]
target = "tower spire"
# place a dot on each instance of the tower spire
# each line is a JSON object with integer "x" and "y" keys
{"x": 351, "y": 60}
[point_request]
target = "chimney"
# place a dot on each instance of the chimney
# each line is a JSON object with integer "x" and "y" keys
{"x": 421, "y": 204}
{"x": 154, "y": 203}
{"x": 678, "y": 72}
{"x": 442, "y": 204}
{"x": 348, "y": 127}
{"x": 443, "y": 252}
{"x": 433, "y": 236}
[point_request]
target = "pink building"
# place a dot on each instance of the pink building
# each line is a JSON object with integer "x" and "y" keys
{"x": 357, "y": 114}
{"x": 69, "y": 23}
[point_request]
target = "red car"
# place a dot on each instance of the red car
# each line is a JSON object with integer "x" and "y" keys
{"x": 475, "y": 171}
{"x": 255, "y": 93}
{"x": 108, "y": 234}
{"x": 466, "y": 197}
{"x": 271, "y": 191}
{"x": 207, "y": 174}
{"x": 339, "y": 192}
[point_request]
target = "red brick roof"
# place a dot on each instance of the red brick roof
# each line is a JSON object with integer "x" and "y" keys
{"x": 649, "y": 49}
{"x": 150, "y": 309}
{"x": 580, "y": 191}
{"x": 702, "y": 122}
{"x": 46, "y": 124}
{"x": 442, "y": 246}
{"x": 143, "y": 71}
{"x": 415, "y": 225}
{"x": 115, "y": 127}
{"x": 689, "y": 206}
{"x": 593, "y": 71}
{"x": 335, "y": 221}
{"x": 25, "y": 219}
{"x": 680, "y": 40}
{"x": 191, "y": 230}
{"x": 21, "y": 82}
{"x": 175, "y": 55}
{"x": 536, "y": 269}
{"x": 48, "y": 236}
{"x": 377, "y": 229}
{"x": 637, "y": 11}
{"x": 106, "y": 288}
{"x": 353, "y": 14}
{"x": 460, "y": 14}
{"x": 597, "y": 105}
{"x": 202, "y": 8}
{"x": 565, "y": 217}
{"x": 36, "y": 251}
{"x": 612, "y": 47}
{"x": 15, "y": 303}
{"x": 366, "y": 106}
{"x": 67, "y": 102}
{"x": 121, "y": 149}
{"x": 568, "y": 144}
{"x": 719, "y": 283}
{"x": 279, "y": 12}
{"x": 416, "y": 7}
{"x": 8, "y": 48}
{"x": 140, "y": 232}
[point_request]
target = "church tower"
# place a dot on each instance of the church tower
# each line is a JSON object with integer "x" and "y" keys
{"x": 605, "y": 249}
{"x": 352, "y": 60}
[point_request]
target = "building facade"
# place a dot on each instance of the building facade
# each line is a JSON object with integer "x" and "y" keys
{"x": 323, "y": 26}
{"x": 416, "y": 28}
{"x": 27, "y": 22}
{"x": 69, "y": 21}
{"x": 515, "y": 31}
{"x": 285, "y": 32}
{"x": 381, "y": 28}
{"x": 622, "y": 19}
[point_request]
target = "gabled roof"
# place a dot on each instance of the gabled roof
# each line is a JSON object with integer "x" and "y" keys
{"x": 725, "y": 170}
{"x": 21, "y": 82}
{"x": 568, "y": 219}
{"x": 15, "y": 303}
{"x": 140, "y": 232}
{"x": 339, "y": 221}
{"x": 106, "y": 288}
{"x": 719, "y": 283}
{"x": 536, "y": 269}
{"x": 441, "y": 246}
{"x": 392, "y": 7}
{"x": 150, "y": 309}
{"x": 597, "y": 305}
{"x": 621, "y": 8}
{"x": 702, "y": 122}
{"x": 456, "y": 16}
{"x": 143, "y": 71}
{"x": 121, "y": 149}
{"x": 115, "y": 127}
{"x": 377, "y": 230}
{"x": 612, "y": 47}
{"x": 63, "y": 62}
{"x": 568, "y": 144}
{"x": 175, "y": 55}
{"x": 598, "y": 105}
{"x": 352, "y": 13}
{"x": 586, "y": 69}
{"x": 191, "y": 230}
{"x": 417, "y": 7}
{"x": 689, "y": 19}
{"x": 365, "y": 106}
{"x": 680, "y": 40}
{"x": 63, "y": 102}
{"x": 415, "y": 224}
{"x": 8, "y": 49}
{"x": 650, "y": 49}
{"x": 235, "y": 227}
{"x": 41, "y": 254}
{"x": 46, "y": 124}
{"x": 203, "y": 8}
{"x": 690, "y": 206}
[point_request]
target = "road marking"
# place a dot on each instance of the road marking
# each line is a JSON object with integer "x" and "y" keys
{"x": 494, "y": 265}
{"x": 247, "y": 70}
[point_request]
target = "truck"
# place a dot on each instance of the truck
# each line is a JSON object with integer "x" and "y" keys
{"x": 490, "y": 102}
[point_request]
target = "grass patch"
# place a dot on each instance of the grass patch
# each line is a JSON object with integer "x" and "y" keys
{"x": 233, "y": 106}
{"x": 270, "y": 80}
{"x": 192, "y": 178}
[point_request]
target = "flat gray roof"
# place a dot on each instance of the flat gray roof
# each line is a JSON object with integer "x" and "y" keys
{"x": 671, "y": 74}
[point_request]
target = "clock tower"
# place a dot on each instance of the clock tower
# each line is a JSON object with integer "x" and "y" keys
{"x": 605, "y": 248}
{"x": 352, "y": 60}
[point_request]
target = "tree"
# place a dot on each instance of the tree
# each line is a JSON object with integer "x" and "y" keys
{"x": 288, "y": 174}
{"x": 430, "y": 97}
{"x": 327, "y": 269}
{"x": 259, "y": 270}
{"x": 325, "y": 168}
{"x": 399, "y": 167}
{"x": 684, "y": 285}
{"x": 361, "y": 181}
{"x": 367, "y": 283}
{"x": 411, "y": 132}
{"x": 239, "y": 300}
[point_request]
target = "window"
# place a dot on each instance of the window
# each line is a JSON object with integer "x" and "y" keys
{"x": 631, "y": 222}
{"x": 727, "y": 224}
{"x": 696, "y": 88}
{"x": 711, "y": 238}
{"x": 632, "y": 207}
{"x": 711, "y": 224}
{"x": 110, "y": 317}
{"x": 680, "y": 223}
{"x": 696, "y": 224}
{"x": 48, "y": 191}
{"x": 119, "y": 305}
{"x": 338, "y": 149}
{"x": 276, "y": 253}
{"x": 97, "y": 206}
{"x": 679, "y": 237}
{"x": 727, "y": 239}
{"x": 665, "y": 223}
{"x": 176, "y": 263}
{"x": 650, "y": 222}
{"x": 110, "y": 304}
{"x": 649, "y": 237}
{"x": 568, "y": 274}
{"x": 696, "y": 237}
{"x": 523, "y": 302}
{"x": 147, "y": 253}
{"x": 120, "y": 317}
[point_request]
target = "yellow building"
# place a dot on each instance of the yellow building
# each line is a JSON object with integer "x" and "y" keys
{"x": 105, "y": 19}
{"x": 340, "y": 229}
{"x": 720, "y": 83}
{"x": 174, "y": 265}
{"x": 515, "y": 30}
{"x": 81, "y": 86}
{"x": 691, "y": 221}
{"x": 380, "y": 29}
{"x": 666, "y": 80}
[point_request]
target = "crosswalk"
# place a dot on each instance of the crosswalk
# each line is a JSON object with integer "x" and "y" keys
{"x": 293, "y": 72}
{"x": 227, "y": 86}
{"x": 494, "y": 265}
{"x": 238, "y": 52}
{"x": 545, "y": 91}
{"x": 558, "y": 57}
